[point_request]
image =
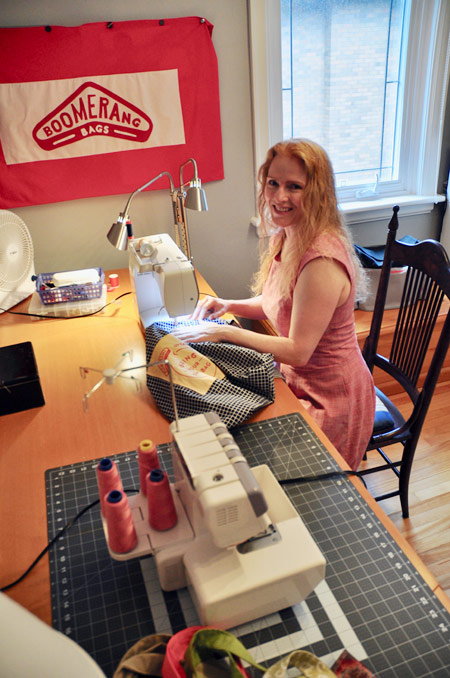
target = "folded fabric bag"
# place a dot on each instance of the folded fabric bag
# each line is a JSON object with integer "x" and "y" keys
{"x": 307, "y": 665}
{"x": 203, "y": 652}
{"x": 303, "y": 664}
{"x": 144, "y": 658}
{"x": 231, "y": 380}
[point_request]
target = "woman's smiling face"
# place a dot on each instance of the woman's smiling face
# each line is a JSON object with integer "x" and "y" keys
{"x": 283, "y": 191}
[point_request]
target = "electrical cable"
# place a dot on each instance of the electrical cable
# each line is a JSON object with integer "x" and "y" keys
{"x": 322, "y": 476}
{"x": 285, "y": 481}
{"x": 72, "y": 317}
{"x": 63, "y": 317}
{"x": 94, "y": 503}
{"x": 53, "y": 541}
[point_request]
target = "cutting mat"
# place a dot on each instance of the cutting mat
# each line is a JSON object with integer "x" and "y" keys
{"x": 373, "y": 602}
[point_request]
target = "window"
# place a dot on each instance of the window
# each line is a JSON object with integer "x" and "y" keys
{"x": 364, "y": 78}
{"x": 343, "y": 69}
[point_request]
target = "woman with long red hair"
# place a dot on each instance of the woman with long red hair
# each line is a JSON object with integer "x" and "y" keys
{"x": 306, "y": 287}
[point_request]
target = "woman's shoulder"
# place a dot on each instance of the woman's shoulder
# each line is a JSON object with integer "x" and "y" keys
{"x": 327, "y": 245}
{"x": 330, "y": 246}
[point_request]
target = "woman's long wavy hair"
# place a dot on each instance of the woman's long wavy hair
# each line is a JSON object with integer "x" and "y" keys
{"x": 320, "y": 213}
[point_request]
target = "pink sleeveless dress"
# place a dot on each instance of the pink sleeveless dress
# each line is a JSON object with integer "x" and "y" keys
{"x": 335, "y": 386}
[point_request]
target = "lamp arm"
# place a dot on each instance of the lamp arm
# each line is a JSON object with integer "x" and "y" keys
{"x": 141, "y": 188}
{"x": 181, "y": 223}
{"x": 193, "y": 199}
{"x": 177, "y": 220}
{"x": 181, "y": 171}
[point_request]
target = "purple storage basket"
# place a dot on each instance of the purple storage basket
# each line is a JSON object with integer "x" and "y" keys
{"x": 57, "y": 295}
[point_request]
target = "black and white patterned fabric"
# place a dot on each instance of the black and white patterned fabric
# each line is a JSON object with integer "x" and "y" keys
{"x": 247, "y": 387}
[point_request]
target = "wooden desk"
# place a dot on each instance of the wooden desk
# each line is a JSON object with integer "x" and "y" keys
{"x": 61, "y": 432}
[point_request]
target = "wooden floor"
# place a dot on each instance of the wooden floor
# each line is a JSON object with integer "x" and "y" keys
{"x": 428, "y": 527}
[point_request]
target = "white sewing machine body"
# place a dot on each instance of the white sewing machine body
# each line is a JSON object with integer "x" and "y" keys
{"x": 239, "y": 544}
{"x": 162, "y": 278}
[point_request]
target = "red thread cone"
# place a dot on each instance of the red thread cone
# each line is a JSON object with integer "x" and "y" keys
{"x": 148, "y": 460}
{"x": 108, "y": 478}
{"x": 122, "y": 535}
{"x": 162, "y": 514}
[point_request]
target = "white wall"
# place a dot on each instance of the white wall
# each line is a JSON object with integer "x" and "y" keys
{"x": 224, "y": 246}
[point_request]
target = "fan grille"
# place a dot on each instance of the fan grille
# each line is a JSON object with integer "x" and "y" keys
{"x": 16, "y": 250}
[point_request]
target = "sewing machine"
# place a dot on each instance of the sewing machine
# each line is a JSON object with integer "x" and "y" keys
{"x": 162, "y": 278}
{"x": 239, "y": 544}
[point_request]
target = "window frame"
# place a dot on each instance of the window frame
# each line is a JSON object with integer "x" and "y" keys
{"x": 423, "y": 110}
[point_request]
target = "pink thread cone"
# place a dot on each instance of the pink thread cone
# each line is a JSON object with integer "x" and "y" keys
{"x": 162, "y": 514}
{"x": 108, "y": 478}
{"x": 148, "y": 460}
{"x": 122, "y": 535}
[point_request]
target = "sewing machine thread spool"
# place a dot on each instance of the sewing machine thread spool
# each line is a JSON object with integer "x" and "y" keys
{"x": 122, "y": 535}
{"x": 162, "y": 514}
{"x": 148, "y": 460}
{"x": 113, "y": 281}
{"x": 108, "y": 478}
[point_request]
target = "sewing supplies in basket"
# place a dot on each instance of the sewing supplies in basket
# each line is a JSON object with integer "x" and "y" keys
{"x": 67, "y": 286}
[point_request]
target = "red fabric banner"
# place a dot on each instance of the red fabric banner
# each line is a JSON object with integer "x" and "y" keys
{"x": 102, "y": 108}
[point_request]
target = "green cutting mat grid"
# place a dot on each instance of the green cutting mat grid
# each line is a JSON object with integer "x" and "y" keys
{"x": 372, "y": 603}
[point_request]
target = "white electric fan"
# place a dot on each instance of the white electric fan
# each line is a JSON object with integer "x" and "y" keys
{"x": 16, "y": 260}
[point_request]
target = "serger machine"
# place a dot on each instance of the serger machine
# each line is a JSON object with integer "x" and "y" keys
{"x": 239, "y": 544}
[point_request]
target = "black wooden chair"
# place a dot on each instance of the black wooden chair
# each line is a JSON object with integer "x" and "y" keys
{"x": 427, "y": 282}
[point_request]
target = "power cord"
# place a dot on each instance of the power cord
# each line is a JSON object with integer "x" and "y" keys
{"x": 53, "y": 541}
{"x": 322, "y": 476}
{"x": 285, "y": 481}
{"x": 63, "y": 317}
{"x": 72, "y": 317}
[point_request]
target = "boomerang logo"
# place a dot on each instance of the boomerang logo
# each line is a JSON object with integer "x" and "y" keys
{"x": 92, "y": 110}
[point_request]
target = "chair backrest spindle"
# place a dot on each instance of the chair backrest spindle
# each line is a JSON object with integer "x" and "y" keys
{"x": 427, "y": 282}
{"x": 410, "y": 354}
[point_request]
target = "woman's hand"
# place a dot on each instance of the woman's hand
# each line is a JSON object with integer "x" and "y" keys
{"x": 202, "y": 332}
{"x": 211, "y": 308}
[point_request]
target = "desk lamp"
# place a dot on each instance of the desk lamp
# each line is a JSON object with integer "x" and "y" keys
{"x": 121, "y": 231}
{"x": 194, "y": 198}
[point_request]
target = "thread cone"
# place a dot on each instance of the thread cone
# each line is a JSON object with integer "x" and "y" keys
{"x": 108, "y": 478}
{"x": 162, "y": 514}
{"x": 122, "y": 535}
{"x": 148, "y": 460}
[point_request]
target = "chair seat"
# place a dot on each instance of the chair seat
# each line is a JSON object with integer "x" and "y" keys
{"x": 387, "y": 416}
